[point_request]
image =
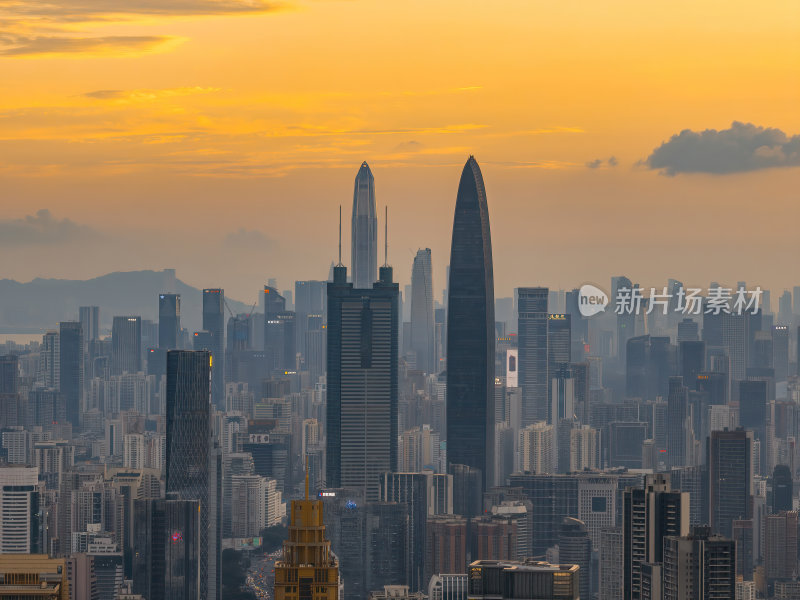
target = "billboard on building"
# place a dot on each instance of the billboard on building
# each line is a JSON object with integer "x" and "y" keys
{"x": 512, "y": 369}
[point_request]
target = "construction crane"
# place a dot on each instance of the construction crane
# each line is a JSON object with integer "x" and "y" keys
{"x": 250, "y": 312}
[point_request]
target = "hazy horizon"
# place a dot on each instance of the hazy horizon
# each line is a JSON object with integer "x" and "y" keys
{"x": 219, "y": 138}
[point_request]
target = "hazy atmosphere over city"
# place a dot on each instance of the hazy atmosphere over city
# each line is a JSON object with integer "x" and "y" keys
{"x": 421, "y": 300}
{"x": 219, "y": 137}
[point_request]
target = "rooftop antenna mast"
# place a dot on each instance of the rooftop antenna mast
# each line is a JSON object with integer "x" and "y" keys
{"x": 340, "y": 237}
{"x": 386, "y": 237}
{"x": 306, "y": 477}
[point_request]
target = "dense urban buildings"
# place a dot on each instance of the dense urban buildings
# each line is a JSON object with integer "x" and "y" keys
{"x": 441, "y": 444}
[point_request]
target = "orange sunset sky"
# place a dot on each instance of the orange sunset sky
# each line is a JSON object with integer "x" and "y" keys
{"x": 219, "y": 137}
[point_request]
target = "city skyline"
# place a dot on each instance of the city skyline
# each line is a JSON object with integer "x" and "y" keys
{"x": 224, "y": 377}
{"x": 661, "y": 456}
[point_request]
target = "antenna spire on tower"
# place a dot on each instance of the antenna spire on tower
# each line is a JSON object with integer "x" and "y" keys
{"x": 386, "y": 237}
{"x": 340, "y": 237}
{"x": 306, "y": 476}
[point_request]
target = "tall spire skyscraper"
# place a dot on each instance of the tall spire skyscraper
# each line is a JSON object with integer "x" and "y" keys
{"x": 470, "y": 330}
{"x": 422, "y": 325}
{"x": 364, "y": 238}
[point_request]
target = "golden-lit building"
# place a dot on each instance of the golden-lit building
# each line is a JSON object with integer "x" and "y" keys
{"x": 33, "y": 576}
{"x": 532, "y": 579}
{"x": 308, "y": 571}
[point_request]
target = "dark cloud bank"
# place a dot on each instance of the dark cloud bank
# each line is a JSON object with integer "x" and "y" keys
{"x": 743, "y": 147}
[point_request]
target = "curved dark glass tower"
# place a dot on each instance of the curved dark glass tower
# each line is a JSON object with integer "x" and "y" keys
{"x": 470, "y": 330}
{"x": 364, "y": 238}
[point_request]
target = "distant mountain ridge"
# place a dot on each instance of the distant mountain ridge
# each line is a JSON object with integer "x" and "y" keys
{"x": 40, "y": 304}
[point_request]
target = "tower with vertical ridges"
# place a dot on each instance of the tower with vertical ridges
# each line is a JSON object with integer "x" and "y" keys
{"x": 364, "y": 238}
{"x": 308, "y": 570}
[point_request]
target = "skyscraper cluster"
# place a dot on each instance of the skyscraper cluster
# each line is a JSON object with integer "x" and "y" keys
{"x": 442, "y": 444}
